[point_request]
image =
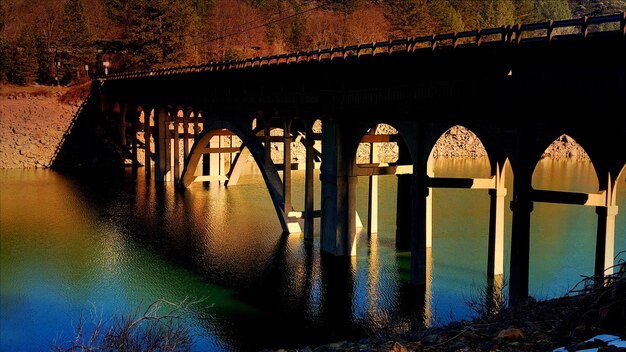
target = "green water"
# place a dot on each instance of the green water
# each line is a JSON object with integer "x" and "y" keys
{"x": 97, "y": 245}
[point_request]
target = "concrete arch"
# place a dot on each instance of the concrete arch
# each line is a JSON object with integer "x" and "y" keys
{"x": 268, "y": 170}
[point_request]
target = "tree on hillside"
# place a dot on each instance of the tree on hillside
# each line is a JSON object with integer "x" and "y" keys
{"x": 75, "y": 39}
{"x": 24, "y": 57}
{"x": 5, "y": 59}
{"x": 161, "y": 32}
{"x": 409, "y": 17}
{"x": 496, "y": 13}
{"x": 445, "y": 17}
{"x": 543, "y": 10}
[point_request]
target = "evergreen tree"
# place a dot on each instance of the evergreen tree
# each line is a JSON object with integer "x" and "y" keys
{"x": 24, "y": 60}
{"x": 75, "y": 39}
{"x": 445, "y": 17}
{"x": 496, "y": 13}
{"x": 409, "y": 17}
{"x": 161, "y": 32}
{"x": 44, "y": 60}
{"x": 5, "y": 59}
{"x": 552, "y": 10}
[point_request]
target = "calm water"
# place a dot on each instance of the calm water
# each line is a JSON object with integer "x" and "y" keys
{"x": 94, "y": 246}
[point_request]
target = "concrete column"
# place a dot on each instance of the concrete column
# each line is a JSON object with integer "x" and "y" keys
{"x": 196, "y": 135}
{"x": 338, "y": 228}
{"x": 185, "y": 134}
{"x": 404, "y": 211}
{"x": 308, "y": 187}
{"x": 372, "y": 199}
{"x": 430, "y": 171}
{"x": 522, "y": 207}
{"x": 605, "y": 241}
{"x": 147, "y": 134}
{"x": 176, "y": 149}
{"x": 214, "y": 158}
{"x": 163, "y": 163}
{"x": 134, "y": 122}
{"x": 287, "y": 168}
{"x": 123, "y": 112}
{"x": 419, "y": 194}
{"x": 495, "y": 261}
{"x": 237, "y": 167}
{"x": 268, "y": 143}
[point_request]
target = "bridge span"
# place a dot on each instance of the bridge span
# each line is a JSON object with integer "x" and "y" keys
{"x": 518, "y": 88}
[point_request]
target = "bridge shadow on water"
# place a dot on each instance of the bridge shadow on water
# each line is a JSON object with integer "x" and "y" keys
{"x": 285, "y": 292}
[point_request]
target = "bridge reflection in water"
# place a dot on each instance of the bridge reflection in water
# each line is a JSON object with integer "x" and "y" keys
{"x": 516, "y": 91}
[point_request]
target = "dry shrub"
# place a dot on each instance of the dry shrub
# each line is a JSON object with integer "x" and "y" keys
{"x": 76, "y": 94}
{"x": 141, "y": 330}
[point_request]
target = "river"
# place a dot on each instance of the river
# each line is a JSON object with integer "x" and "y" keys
{"x": 95, "y": 245}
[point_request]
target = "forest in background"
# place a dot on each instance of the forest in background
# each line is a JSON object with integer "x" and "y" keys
{"x": 64, "y": 41}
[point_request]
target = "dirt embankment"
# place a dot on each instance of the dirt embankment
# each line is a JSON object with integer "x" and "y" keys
{"x": 32, "y": 124}
{"x": 34, "y": 119}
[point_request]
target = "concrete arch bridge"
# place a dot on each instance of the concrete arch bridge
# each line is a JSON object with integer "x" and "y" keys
{"x": 518, "y": 88}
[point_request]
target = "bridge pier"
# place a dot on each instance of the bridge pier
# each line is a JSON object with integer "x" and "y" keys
{"x": 287, "y": 139}
{"x": 147, "y": 127}
{"x": 522, "y": 207}
{"x": 134, "y": 126}
{"x": 372, "y": 197}
{"x": 163, "y": 163}
{"x": 495, "y": 256}
{"x": 308, "y": 186}
{"x": 176, "y": 146}
{"x": 338, "y": 228}
{"x": 404, "y": 211}
{"x": 605, "y": 241}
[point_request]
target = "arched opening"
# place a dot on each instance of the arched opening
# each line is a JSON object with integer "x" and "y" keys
{"x": 469, "y": 180}
{"x": 562, "y": 228}
{"x": 384, "y": 203}
{"x": 215, "y": 130}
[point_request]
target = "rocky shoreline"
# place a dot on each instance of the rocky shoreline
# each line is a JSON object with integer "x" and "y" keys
{"x": 32, "y": 125}
{"x": 592, "y": 319}
{"x": 34, "y": 120}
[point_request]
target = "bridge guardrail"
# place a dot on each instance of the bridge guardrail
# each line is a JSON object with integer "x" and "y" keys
{"x": 513, "y": 34}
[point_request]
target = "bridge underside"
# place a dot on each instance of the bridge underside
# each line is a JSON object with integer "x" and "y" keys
{"x": 517, "y": 99}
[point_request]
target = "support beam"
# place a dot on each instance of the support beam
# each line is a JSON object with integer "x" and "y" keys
{"x": 268, "y": 143}
{"x": 186, "y": 134}
{"x": 404, "y": 212}
{"x": 338, "y": 230}
{"x": 430, "y": 171}
{"x": 372, "y": 199}
{"x": 176, "y": 146}
{"x": 134, "y": 126}
{"x": 308, "y": 188}
{"x": 123, "y": 124}
{"x": 495, "y": 254}
{"x": 605, "y": 240}
{"x": 562, "y": 197}
{"x": 419, "y": 193}
{"x": 163, "y": 163}
{"x": 522, "y": 207}
{"x": 379, "y": 169}
{"x": 237, "y": 167}
{"x": 147, "y": 141}
{"x": 287, "y": 207}
{"x": 454, "y": 182}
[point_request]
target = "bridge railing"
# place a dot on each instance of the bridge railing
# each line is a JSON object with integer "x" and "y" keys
{"x": 513, "y": 34}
